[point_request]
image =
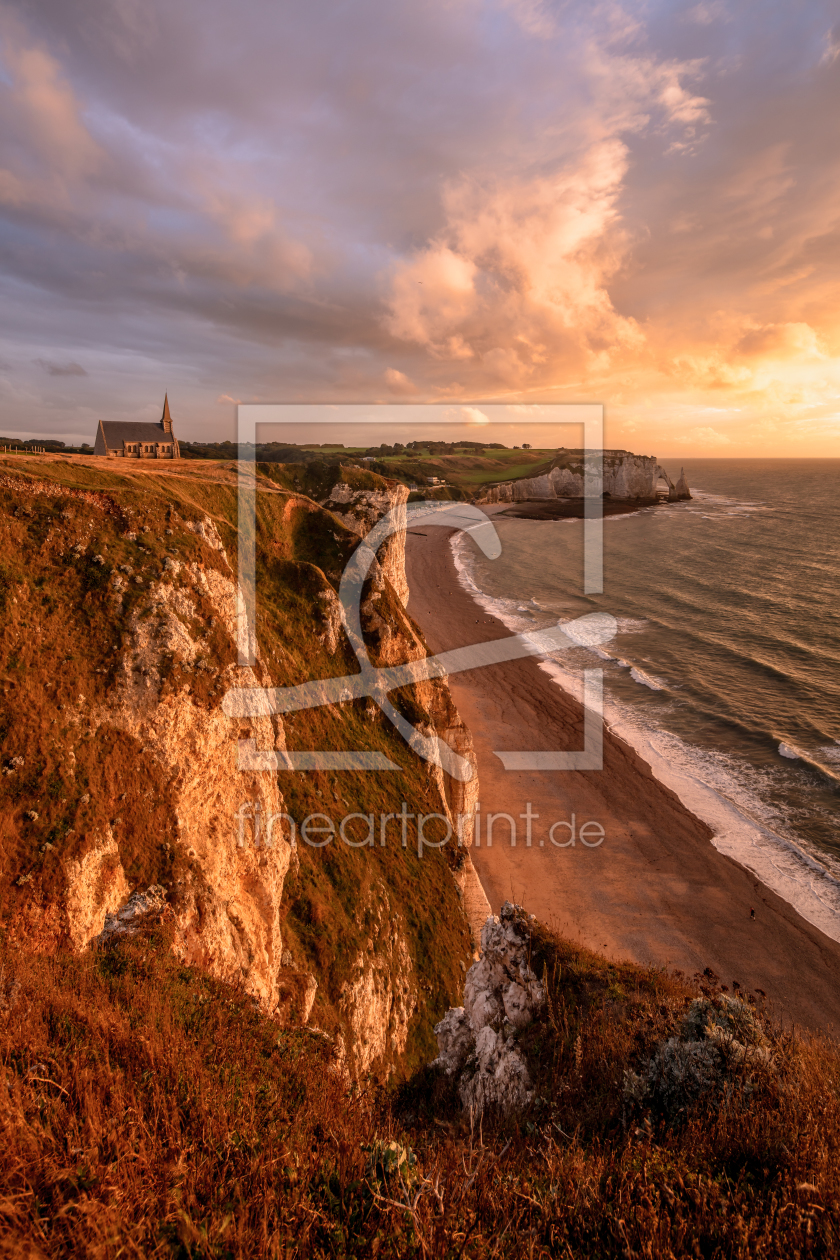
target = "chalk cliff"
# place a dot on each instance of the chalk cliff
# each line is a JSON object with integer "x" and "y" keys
{"x": 625, "y": 476}
{"x": 360, "y": 509}
{"x": 681, "y": 490}
{"x": 119, "y": 766}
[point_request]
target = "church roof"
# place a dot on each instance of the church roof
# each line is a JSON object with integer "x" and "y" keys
{"x": 116, "y": 432}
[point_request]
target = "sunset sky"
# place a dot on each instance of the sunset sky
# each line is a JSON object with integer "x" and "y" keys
{"x": 454, "y": 200}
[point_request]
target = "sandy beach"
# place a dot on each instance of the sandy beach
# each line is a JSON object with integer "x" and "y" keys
{"x": 655, "y": 890}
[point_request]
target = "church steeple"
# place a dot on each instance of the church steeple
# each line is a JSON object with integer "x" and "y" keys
{"x": 166, "y": 419}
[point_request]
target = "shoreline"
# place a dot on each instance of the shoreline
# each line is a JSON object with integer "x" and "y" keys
{"x": 656, "y": 889}
{"x": 570, "y": 509}
{"x": 788, "y": 869}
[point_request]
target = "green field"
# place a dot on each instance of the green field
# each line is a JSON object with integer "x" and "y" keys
{"x": 464, "y": 469}
{"x": 469, "y": 470}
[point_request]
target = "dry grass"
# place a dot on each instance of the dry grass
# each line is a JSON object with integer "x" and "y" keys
{"x": 62, "y": 637}
{"x": 151, "y": 1111}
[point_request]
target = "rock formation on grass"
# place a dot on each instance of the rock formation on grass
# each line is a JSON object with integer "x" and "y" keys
{"x": 478, "y": 1042}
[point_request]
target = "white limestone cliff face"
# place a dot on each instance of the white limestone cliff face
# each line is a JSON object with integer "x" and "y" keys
{"x": 173, "y": 658}
{"x": 478, "y": 1042}
{"x": 395, "y": 639}
{"x": 96, "y": 886}
{"x": 380, "y": 999}
{"x": 227, "y": 903}
{"x": 227, "y": 906}
{"x": 681, "y": 490}
{"x": 397, "y": 642}
{"x": 625, "y": 476}
{"x": 360, "y": 510}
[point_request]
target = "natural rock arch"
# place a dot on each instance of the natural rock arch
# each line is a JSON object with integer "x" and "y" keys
{"x": 675, "y": 492}
{"x": 661, "y": 475}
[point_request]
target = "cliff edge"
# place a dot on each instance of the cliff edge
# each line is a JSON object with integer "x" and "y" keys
{"x": 119, "y": 766}
{"x": 624, "y": 476}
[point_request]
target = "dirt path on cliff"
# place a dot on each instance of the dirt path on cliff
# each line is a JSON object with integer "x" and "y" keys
{"x": 655, "y": 890}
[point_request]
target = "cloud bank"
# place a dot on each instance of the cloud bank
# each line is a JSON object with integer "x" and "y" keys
{"x": 460, "y": 201}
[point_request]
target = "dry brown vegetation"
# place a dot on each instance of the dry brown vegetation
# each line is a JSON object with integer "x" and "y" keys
{"x": 149, "y": 1110}
{"x": 66, "y": 529}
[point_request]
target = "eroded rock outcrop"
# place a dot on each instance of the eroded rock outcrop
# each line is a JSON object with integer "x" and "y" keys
{"x": 227, "y": 901}
{"x": 625, "y": 476}
{"x": 227, "y": 904}
{"x": 96, "y": 885}
{"x": 148, "y": 797}
{"x": 478, "y": 1042}
{"x": 681, "y": 490}
{"x": 360, "y": 509}
{"x": 140, "y": 910}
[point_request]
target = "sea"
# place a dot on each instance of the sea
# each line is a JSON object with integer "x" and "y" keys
{"x": 725, "y": 670}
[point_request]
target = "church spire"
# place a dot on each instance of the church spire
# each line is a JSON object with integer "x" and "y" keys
{"x": 166, "y": 419}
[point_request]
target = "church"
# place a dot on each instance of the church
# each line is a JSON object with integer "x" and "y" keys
{"x": 129, "y": 439}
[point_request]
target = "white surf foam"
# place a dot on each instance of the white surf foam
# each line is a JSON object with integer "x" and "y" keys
{"x": 710, "y": 786}
{"x": 509, "y": 611}
{"x": 702, "y": 499}
{"x": 646, "y": 680}
{"x": 744, "y": 827}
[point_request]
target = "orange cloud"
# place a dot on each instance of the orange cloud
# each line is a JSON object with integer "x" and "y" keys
{"x": 519, "y": 272}
{"x": 614, "y": 202}
{"x": 467, "y": 415}
{"x": 398, "y": 382}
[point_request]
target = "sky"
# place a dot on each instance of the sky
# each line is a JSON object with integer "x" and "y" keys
{"x": 457, "y": 202}
{"x": 543, "y": 426}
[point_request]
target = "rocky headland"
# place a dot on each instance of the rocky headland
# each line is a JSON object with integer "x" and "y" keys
{"x": 624, "y": 478}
